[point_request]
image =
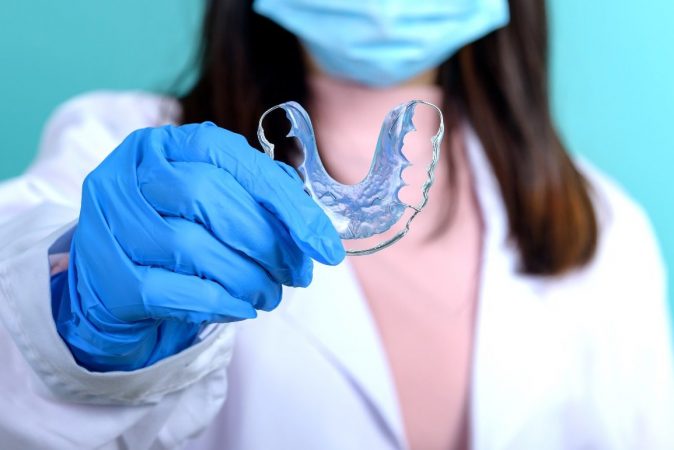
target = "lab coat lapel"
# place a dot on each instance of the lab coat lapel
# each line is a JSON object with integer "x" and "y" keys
{"x": 513, "y": 347}
{"x": 509, "y": 334}
{"x": 334, "y": 315}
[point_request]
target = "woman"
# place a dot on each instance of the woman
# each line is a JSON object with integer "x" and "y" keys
{"x": 525, "y": 310}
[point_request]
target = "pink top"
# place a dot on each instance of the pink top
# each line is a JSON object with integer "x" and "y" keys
{"x": 422, "y": 291}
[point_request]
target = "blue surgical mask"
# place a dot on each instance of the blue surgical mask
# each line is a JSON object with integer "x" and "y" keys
{"x": 384, "y": 42}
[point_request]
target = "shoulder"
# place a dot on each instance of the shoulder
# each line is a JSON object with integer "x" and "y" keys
{"x": 627, "y": 275}
{"x": 625, "y": 228}
{"x": 624, "y": 286}
{"x": 105, "y": 103}
{"x": 621, "y": 299}
{"x": 115, "y": 113}
{"x": 81, "y": 133}
{"x": 615, "y": 208}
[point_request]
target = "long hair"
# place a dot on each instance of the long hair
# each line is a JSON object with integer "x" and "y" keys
{"x": 499, "y": 84}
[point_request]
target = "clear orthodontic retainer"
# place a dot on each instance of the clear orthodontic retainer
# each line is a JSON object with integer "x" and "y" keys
{"x": 371, "y": 206}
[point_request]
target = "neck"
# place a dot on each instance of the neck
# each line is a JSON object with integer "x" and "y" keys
{"x": 348, "y": 117}
{"x": 427, "y": 78}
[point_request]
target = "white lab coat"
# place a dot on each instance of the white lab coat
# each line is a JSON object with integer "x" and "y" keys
{"x": 582, "y": 361}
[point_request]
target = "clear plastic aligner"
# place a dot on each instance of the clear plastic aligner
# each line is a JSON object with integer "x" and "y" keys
{"x": 371, "y": 206}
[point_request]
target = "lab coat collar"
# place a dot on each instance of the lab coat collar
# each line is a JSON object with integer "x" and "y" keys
{"x": 517, "y": 344}
{"x": 340, "y": 325}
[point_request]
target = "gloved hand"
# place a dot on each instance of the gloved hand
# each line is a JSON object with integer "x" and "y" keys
{"x": 180, "y": 227}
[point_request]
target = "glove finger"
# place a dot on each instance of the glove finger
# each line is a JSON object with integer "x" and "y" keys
{"x": 103, "y": 342}
{"x": 169, "y": 295}
{"x": 210, "y": 196}
{"x": 166, "y": 294}
{"x": 266, "y": 182}
{"x": 187, "y": 247}
{"x": 134, "y": 292}
{"x": 152, "y": 239}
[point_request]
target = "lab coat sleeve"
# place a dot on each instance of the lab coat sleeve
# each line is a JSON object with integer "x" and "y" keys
{"x": 46, "y": 399}
{"x": 631, "y": 325}
{"x": 647, "y": 344}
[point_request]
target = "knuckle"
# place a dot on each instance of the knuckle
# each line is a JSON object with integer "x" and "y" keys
{"x": 272, "y": 300}
{"x": 182, "y": 239}
{"x": 238, "y": 140}
{"x": 199, "y": 182}
{"x": 90, "y": 181}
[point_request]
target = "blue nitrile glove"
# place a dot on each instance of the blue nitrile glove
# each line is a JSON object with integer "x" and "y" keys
{"x": 180, "y": 227}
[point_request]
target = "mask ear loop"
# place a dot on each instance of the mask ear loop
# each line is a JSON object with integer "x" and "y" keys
{"x": 436, "y": 142}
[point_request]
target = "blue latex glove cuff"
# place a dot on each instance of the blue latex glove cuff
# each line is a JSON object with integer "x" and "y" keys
{"x": 180, "y": 227}
{"x": 102, "y": 343}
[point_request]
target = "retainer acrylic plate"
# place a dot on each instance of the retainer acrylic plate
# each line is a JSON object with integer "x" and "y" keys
{"x": 372, "y": 206}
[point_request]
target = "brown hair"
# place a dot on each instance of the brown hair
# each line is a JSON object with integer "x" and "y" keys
{"x": 499, "y": 83}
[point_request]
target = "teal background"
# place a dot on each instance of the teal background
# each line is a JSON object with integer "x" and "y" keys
{"x": 612, "y": 78}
